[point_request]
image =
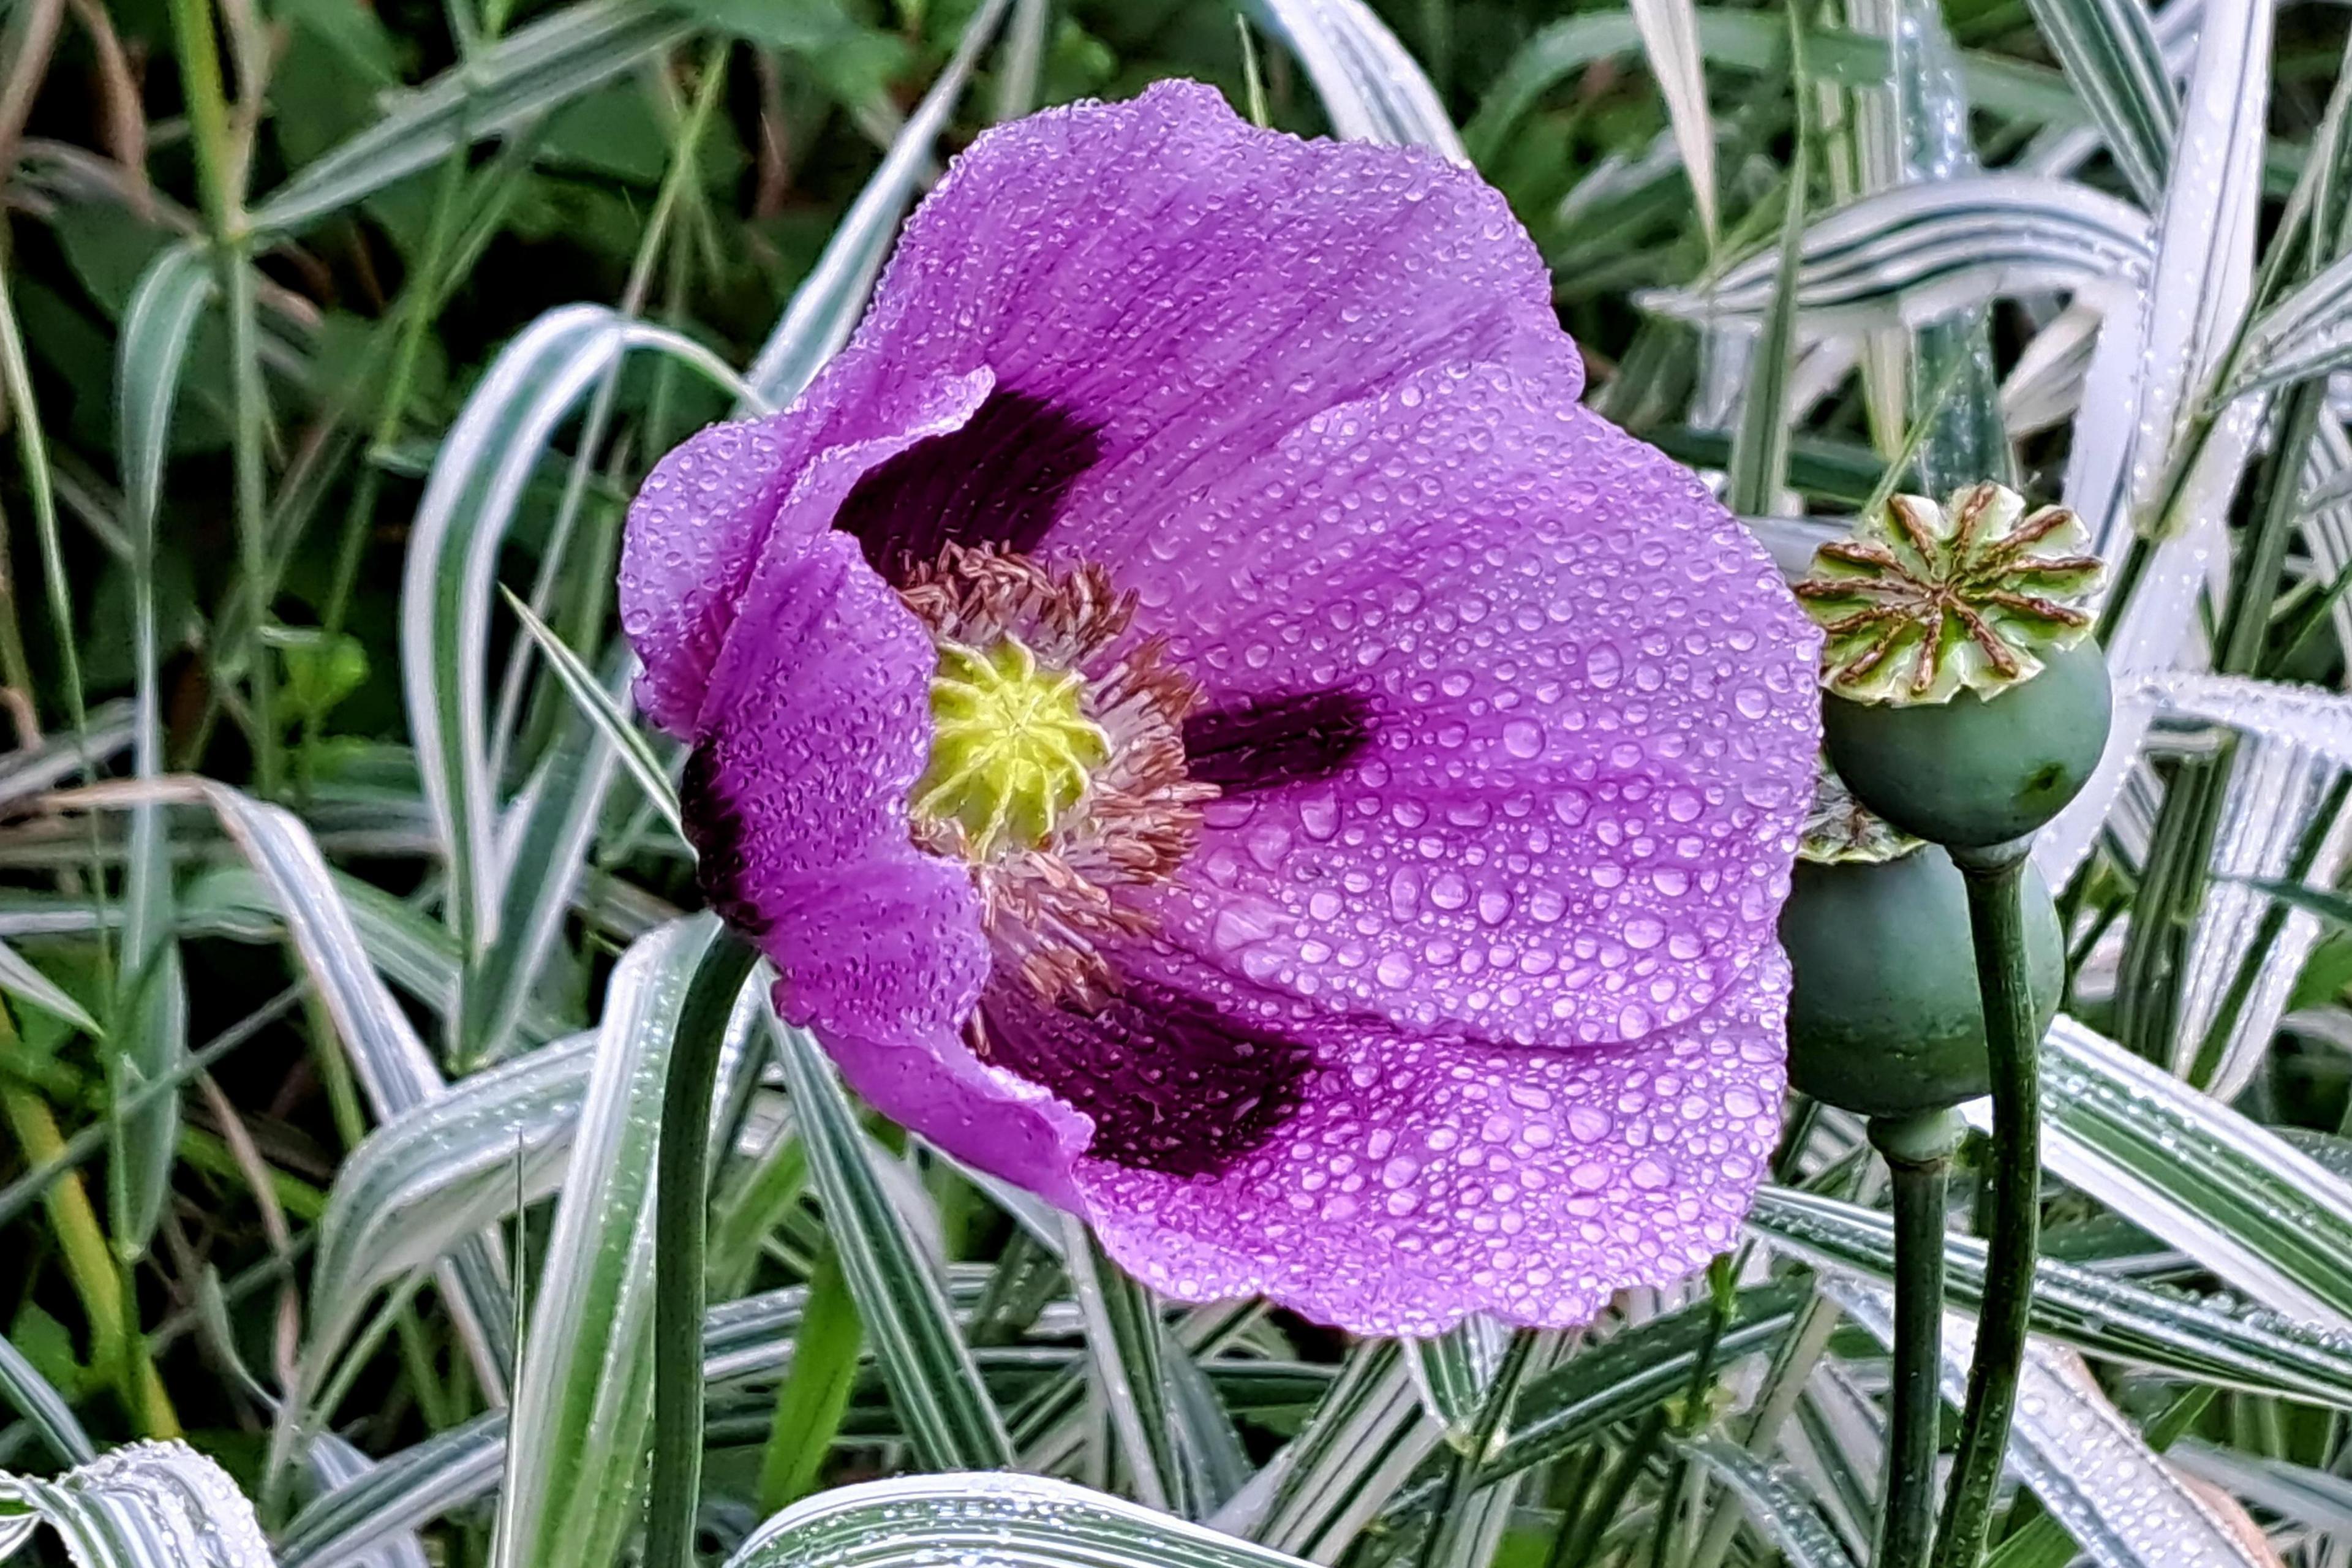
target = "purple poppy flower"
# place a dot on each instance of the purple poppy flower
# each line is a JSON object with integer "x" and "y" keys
{"x": 1209, "y": 730}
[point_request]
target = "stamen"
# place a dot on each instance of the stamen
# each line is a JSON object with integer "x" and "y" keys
{"x": 1057, "y": 770}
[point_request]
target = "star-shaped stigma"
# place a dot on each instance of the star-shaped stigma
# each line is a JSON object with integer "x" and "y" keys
{"x": 1923, "y": 601}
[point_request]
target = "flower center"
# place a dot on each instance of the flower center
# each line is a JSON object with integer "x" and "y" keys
{"x": 1013, "y": 749}
{"x": 1057, "y": 770}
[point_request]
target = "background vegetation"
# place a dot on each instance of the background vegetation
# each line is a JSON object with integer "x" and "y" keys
{"x": 344, "y": 921}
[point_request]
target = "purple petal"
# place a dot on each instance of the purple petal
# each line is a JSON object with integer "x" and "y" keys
{"x": 758, "y": 491}
{"x": 1516, "y": 724}
{"x": 812, "y": 724}
{"x": 1424, "y": 1179}
{"x": 1155, "y": 287}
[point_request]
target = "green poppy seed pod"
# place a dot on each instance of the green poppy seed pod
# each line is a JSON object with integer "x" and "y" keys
{"x": 1884, "y": 1017}
{"x": 1966, "y": 702}
{"x": 1973, "y": 772}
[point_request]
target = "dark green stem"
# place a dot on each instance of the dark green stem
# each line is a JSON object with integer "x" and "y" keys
{"x": 682, "y": 1183}
{"x": 1452, "y": 1515}
{"x": 1918, "y": 1151}
{"x": 1995, "y": 879}
{"x": 1601, "y": 1510}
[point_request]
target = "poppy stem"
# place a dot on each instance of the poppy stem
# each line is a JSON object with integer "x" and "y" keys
{"x": 681, "y": 1188}
{"x": 1453, "y": 1516}
{"x": 1918, "y": 1152}
{"x": 1995, "y": 879}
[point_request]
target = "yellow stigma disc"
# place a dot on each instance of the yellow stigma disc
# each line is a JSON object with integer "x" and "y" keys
{"x": 1012, "y": 747}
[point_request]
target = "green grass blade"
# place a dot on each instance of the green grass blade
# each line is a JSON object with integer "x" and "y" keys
{"x": 534, "y": 69}
{"x": 477, "y": 481}
{"x": 2318, "y": 1499}
{"x": 604, "y": 709}
{"x": 2205, "y": 240}
{"x": 814, "y": 1394}
{"x": 335, "y": 1463}
{"x": 826, "y": 305}
{"x": 30, "y": 771}
{"x": 2306, "y": 334}
{"x": 409, "y": 948}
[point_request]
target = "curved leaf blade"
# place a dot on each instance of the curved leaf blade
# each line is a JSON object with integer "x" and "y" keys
{"x": 149, "y": 1505}
{"x": 1026, "y": 1520}
{"x": 1371, "y": 88}
{"x": 825, "y": 306}
{"x": 533, "y": 69}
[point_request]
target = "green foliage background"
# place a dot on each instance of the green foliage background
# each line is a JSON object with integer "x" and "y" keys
{"x": 301, "y": 1077}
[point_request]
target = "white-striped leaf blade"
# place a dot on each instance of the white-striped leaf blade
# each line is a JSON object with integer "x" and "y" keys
{"x": 585, "y": 1393}
{"x": 391, "y": 1063}
{"x": 826, "y": 306}
{"x": 335, "y": 1463}
{"x": 747, "y": 1339}
{"x": 1670, "y": 38}
{"x": 2232, "y": 1195}
{"x": 1452, "y": 1370}
{"x": 2122, "y": 1504}
{"x": 533, "y": 69}
{"x": 2114, "y": 62}
{"x": 1774, "y": 1499}
{"x": 21, "y": 980}
{"x": 1371, "y": 88}
{"x": 1918, "y": 252}
{"x": 1014, "y": 1521}
{"x": 477, "y": 481}
{"x": 37, "y": 1399}
{"x": 149, "y": 1505}
{"x": 2169, "y": 1332}
{"x": 441, "y": 1171}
